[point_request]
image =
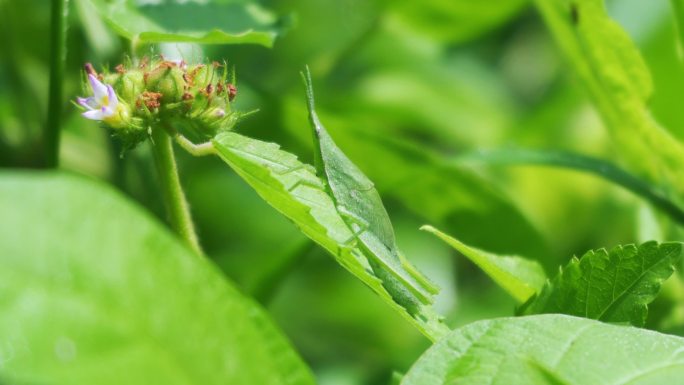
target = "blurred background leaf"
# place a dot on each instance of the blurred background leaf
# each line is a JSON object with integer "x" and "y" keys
{"x": 127, "y": 302}
{"x": 455, "y": 21}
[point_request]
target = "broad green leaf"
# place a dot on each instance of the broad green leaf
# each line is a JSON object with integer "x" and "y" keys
{"x": 95, "y": 291}
{"x": 617, "y": 79}
{"x": 216, "y": 22}
{"x": 360, "y": 206}
{"x": 599, "y": 167}
{"x": 614, "y": 286}
{"x": 521, "y": 278}
{"x": 293, "y": 189}
{"x": 550, "y": 349}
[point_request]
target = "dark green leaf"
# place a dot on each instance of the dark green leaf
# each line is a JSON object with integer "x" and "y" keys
{"x": 94, "y": 291}
{"x": 190, "y": 22}
{"x": 550, "y": 350}
{"x": 599, "y": 167}
{"x": 614, "y": 286}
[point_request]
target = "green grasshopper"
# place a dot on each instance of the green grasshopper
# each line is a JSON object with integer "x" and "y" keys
{"x": 359, "y": 205}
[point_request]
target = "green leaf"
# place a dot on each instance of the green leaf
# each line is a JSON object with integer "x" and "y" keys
{"x": 598, "y": 167}
{"x": 521, "y": 278}
{"x": 568, "y": 350}
{"x": 95, "y": 291}
{"x": 614, "y": 286}
{"x": 190, "y": 22}
{"x": 421, "y": 178}
{"x": 617, "y": 79}
{"x": 293, "y": 189}
{"x": 360, "y": 206}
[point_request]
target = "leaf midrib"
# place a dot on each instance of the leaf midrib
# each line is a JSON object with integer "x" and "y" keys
{"x": 628, "y": 289}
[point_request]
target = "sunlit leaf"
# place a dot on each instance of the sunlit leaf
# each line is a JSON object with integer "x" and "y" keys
{"x": 521, "y": 278}
{"x": 550, "y": 350}
{"x": 616, "y": 77}
{"x": 293, "y": 189}
{"x": 94, "y": 291}
{"x": 614, "y": 286}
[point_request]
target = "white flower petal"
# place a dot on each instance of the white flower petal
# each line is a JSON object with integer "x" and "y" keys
{"x": 113, "y": 99}
{"x": 99, "y": 89}
{"x": 88, "y": 103}
{"x": 93, "y": 115}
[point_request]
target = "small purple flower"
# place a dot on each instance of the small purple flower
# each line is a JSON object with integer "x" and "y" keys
{"x": 104, "y": 102}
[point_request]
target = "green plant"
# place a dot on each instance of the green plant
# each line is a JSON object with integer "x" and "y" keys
{"x": 96, "y": 289}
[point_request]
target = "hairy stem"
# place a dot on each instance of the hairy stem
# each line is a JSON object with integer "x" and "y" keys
{"x": 172, "y": 192}
{"x": 58, "y": 27}
{"x": 202, "y": 149}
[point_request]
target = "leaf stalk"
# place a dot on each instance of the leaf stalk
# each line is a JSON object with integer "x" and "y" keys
{"x": 176, "y": 204}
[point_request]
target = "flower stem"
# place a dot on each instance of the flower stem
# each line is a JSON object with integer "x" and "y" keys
{"x": 174, "y": 199}
{"x": 58, "y": 29}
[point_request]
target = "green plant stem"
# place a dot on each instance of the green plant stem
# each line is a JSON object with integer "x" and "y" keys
{"x": 172, "y": 192}
{"x": 58, "y": 28}
{"x": 678, "y": 10}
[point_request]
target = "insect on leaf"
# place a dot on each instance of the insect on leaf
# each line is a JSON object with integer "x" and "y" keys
{"x": 421, "y": 177}
{"x": 360, "y": 206}
{"x": 292, "y": 188}
{"x": 614, "y": 286}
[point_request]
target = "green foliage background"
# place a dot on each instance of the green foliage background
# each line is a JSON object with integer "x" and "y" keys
{"x": 408, "y": 89}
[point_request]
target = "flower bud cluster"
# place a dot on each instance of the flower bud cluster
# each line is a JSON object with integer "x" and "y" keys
{"x": 194, "y": 100}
